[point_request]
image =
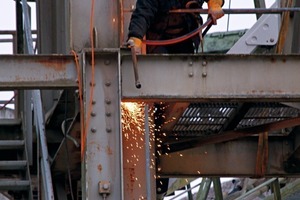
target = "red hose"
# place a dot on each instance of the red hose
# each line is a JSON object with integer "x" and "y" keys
{"x": 178, "y": 39}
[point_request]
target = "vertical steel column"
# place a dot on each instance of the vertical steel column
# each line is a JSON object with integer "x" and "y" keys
{"x": 190, "y": 194}
{"x": 296, "y": 31}
{"x": 19, "y": 28}
{"x": 259, "y": 4}
{"x": 203, "y": 189}
{"x": 106, "y": 24}
{"x": 147, "y": 154}
{"x": 217, "y": 188}
{"x": 102, "y": 167}
{"x": 276, "y": 189}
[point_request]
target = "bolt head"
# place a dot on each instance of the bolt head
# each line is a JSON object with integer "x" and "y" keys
{"x": 105, "y": 186}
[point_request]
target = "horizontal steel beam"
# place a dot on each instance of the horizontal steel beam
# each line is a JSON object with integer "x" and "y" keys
{"x": 230, "y": 159}
{"x": 212, "y": 77}
{"x": 37, "y": 71}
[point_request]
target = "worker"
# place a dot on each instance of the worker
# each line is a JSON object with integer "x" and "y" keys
{"x": 151, "y": 18}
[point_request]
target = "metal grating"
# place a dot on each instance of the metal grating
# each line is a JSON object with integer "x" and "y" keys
{"x": 203, "y": 119}
{"x": 263, "y": 113}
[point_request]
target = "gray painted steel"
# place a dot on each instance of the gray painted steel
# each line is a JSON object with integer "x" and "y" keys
{"x": 37, "y": 71}
{"x": 213, "y": 77}
{"x": 106, "y": 24}
{"x": 103, "y": 155}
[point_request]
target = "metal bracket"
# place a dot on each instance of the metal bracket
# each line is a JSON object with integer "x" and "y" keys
{"x": 264, "y": 32}
{"x": 104, "y": 187}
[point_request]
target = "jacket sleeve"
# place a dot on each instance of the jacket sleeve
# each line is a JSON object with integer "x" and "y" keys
{"x": 142, "y": 17}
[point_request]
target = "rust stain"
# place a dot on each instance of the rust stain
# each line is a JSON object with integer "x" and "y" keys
{"x": 132, "y": 179}
{"x": 273, "y": 59}
{"x": 99, "y": 167}
{"x": 109, "y": 151}
{"x": 58, "y": 64}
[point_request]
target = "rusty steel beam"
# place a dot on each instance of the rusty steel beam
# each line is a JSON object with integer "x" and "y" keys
{"x": 37, "y": 71}
{"x": 230, "y": 159}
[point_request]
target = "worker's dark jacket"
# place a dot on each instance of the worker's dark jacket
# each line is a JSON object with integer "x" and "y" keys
{"x": 151, "y": 18}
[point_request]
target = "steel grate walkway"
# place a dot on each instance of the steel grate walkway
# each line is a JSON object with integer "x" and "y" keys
{"x": 204, "y": 119}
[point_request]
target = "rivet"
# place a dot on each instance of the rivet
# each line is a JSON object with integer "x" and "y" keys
{"x": 191, "y": 63}
{"x": 94, "y": 102}
{"x": 107, "y": 83}
{"x": 107, "y": 62}
{"x": 204, "y": 63}
{"x": 93, "y": 114}
{"x": 107, "y": 101}
{"x": 93, "y": 130}
{"x": 108, "y": 130}
{"x": 272, "y": 40}
{"x": 92, "y": 84}
{"x": 108, "y": 114}
{"x": 191, "y": 74}
{"x": 204, "y": 74}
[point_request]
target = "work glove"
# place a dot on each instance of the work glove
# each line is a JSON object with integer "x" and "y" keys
{"x": 215, "y": 10}
{"x": 135, "y": 43}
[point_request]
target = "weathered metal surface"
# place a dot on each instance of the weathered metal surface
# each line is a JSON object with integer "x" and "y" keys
{"x": 230, "y": 135}
{"x": 103, "y": 154}
{"x": 106, "y": 24}
{"x": 230, "y": 159}
{"x": 37, "y": 71}
{"x": 213, "y": 77}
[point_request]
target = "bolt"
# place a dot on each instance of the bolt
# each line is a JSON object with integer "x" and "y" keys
{"x": 94, "y": 130}
{"x": 108, "y": 130}
{"x": 92, "y": 84}
{"x": 272, "y": 40}
{"x": 105, "y": 186}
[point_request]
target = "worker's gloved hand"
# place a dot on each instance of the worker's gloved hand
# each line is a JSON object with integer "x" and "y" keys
{"x": 135, "y": 43}
{"x": 215, "y": 10}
